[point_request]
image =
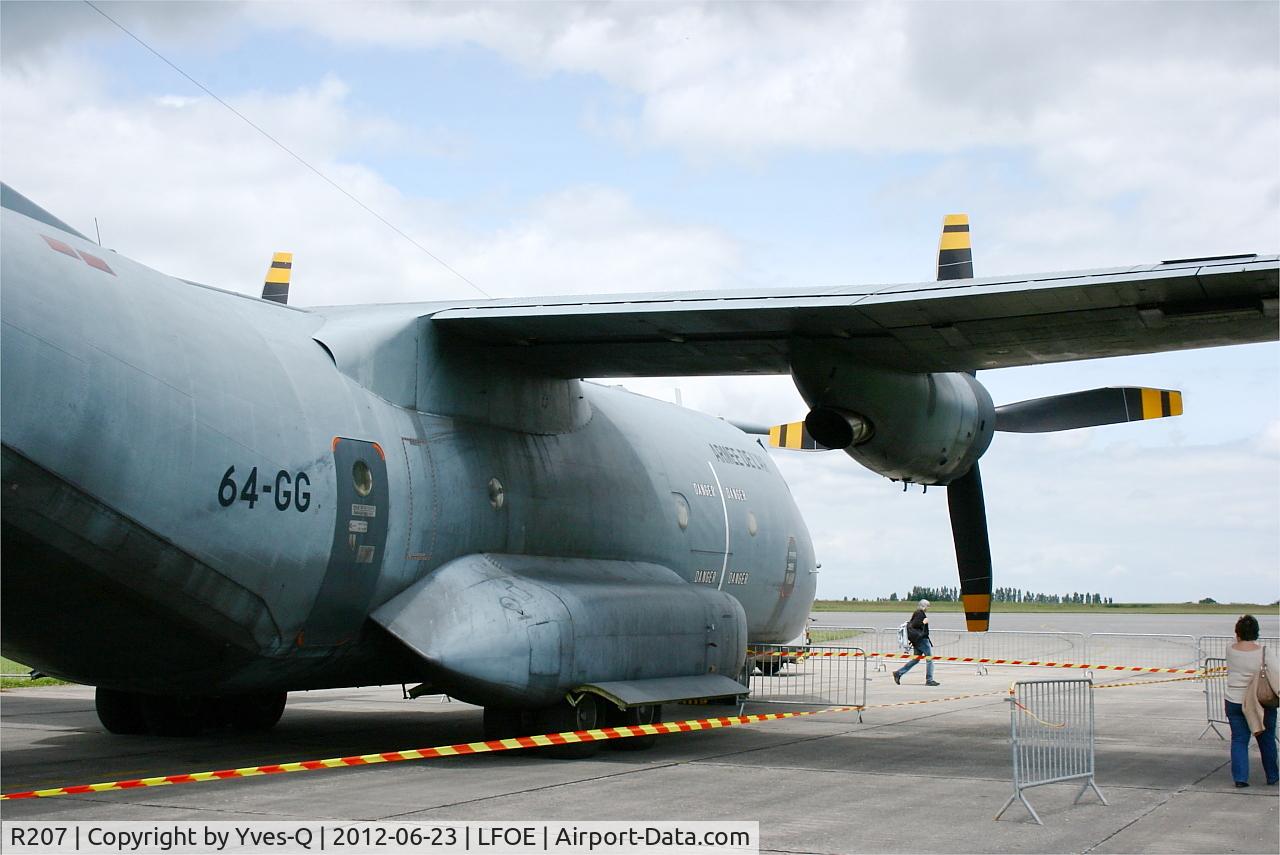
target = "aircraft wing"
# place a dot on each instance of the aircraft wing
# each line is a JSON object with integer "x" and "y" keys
{"x": 957, "y": 325}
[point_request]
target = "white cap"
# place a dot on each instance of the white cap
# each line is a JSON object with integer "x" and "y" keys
{"x": 924, "y": 604}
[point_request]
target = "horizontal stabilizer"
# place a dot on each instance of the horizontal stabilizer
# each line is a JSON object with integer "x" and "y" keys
{"x": 794, "y": 436}
{"x": 1109, "y": 406}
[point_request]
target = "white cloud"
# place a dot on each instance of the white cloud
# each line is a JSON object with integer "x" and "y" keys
{"x": 1167, "y": 109}
{"x": 593, "y": 239}
{"x": 81, "y": 154}
{"x": 35, "y": 30}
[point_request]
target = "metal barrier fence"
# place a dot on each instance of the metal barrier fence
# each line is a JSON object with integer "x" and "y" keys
{"x": 1215, "y": 646}
{"x": 864, "y": 637}
{"x": 1143, "y": 649}
{"x": 1215, "y": 695}
{"x": 838, "y": 681}
{"x": 1001, "y": 644}
{"x": 1051, "y": 734}
{"x": 945, "y": 642}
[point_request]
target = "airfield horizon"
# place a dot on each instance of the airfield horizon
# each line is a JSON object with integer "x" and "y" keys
{"x": 1061, "y": 608}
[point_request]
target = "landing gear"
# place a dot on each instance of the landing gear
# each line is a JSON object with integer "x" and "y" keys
{"x": 769, "y": 667}
{"x": 501, "y": 723}
{"x": 186, "y": 715}
{"x": 172, "y": 715}
{"x": 256, "y": 713}
{"x": 648, "y": 714}
{"x": 563, "y": 717}
{"x": 119, "y": 712}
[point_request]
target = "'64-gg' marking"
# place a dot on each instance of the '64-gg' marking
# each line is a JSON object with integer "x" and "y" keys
{"x": 288, "y": 490}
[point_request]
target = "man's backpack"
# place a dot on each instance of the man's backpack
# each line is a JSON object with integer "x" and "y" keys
{"x": 904, "y": 637}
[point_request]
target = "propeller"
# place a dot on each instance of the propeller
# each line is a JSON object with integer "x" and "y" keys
{"x": 828, "y": 427}
{"x": 1107, "y": 406}
{"x": 973, "y": 548}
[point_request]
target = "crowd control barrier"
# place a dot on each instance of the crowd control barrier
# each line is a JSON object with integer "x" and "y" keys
{"x": 1215, "y": 695}
{"x": 1001, "y": 644}
{"x": 1051, "y": 731}
{"x": 1148, "y": 650}
{"x": 864, "y": 637}
{"x": 1216, "y": 646}
{"x": 945, "y": 642}
{"x": 837, "y": 677}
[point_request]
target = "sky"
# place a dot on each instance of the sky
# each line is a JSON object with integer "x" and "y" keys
{"x": 562, "y": 148}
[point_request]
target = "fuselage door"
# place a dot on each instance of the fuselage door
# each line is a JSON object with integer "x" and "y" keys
{"x": 359, "y": 544}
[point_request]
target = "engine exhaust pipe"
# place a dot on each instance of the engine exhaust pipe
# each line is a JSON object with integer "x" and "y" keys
{"x": 839, "y": 429}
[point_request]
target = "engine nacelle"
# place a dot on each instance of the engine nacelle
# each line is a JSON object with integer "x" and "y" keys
{"x": 923, "y": 428}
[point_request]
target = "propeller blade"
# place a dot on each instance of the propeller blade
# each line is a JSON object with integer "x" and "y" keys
{"x": 973, "y": 548}
{"x": 1108, "y": 406}
{"x": 795, "y": 436}
{"x": 955, "y": 253}
{"x": 276, "y": 287}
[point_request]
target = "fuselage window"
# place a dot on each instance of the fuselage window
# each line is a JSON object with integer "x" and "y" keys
{"x": 362, "y": 478}
{"x": 682, "y": 511}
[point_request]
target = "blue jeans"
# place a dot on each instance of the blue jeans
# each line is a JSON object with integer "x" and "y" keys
{"x": 923, "y": 648}
{"x": 1240, "y": 744}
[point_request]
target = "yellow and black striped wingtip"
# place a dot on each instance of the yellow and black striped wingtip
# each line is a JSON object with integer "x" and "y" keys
{"x": 955, "y": 253}
{"x": 794, "y": 436}
{"x": 276, "y": 288}
{"x": 977, "y": 611}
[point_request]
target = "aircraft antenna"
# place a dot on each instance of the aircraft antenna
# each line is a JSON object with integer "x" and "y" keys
{"x": 287, "y": 150}
{"x": 97, "y": 231}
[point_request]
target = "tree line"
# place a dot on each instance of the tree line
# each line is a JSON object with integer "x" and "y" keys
{"x": 1001, "y": 595}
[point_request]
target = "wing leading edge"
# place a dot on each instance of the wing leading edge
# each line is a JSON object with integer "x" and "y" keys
{"x": 959, "y": 325}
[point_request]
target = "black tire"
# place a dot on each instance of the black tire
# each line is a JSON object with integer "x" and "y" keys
{"x": 119, "y": 711}
{"x": 255, "y": 713}
{"x": 648, "y": 714}
{"x": 771, "y": 666}
{"x": 562, "y": 717}
{"x": 501, "y": 723}
{"x": 173, "y": 715}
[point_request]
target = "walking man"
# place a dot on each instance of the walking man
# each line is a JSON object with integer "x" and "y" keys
{"x": 918, "y": 635}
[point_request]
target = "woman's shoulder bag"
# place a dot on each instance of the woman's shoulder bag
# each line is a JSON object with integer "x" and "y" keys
{"x": 1266, "y": 684}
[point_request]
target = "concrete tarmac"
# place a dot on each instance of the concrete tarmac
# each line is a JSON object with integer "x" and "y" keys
{"x": 918, "y": 778}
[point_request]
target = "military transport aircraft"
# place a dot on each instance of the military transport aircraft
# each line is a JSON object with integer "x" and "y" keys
{"x": 210, "y": 499}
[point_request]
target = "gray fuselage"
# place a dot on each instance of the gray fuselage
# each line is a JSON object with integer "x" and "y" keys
{"x": 178, "y": 511}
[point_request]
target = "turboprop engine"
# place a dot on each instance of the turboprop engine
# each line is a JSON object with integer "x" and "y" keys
{"x": 920, "y": 428}
{"x": 931, "y": 428}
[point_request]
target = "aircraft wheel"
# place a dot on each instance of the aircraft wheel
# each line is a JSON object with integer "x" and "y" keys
{"x": 771, "y": 666}
{"x": 648, "y": 714}
{"x": 502, "y": 723}
{"x": 119, "y": 711}
{"x": 258, "y": 712}
{"x": 562, "y": 717}
{"x": 167, "y": 715}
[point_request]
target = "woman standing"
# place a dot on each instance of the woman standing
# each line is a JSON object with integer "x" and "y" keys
{"x": 1244, "y": 660}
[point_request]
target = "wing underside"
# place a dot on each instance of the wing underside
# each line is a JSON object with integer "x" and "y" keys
{"x": 960, "y": 325}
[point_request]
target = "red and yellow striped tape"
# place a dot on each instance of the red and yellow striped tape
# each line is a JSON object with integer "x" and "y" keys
{"x": 539, "y": 741}
{"x": 519, "y": 742}
{"x": 799, "y": 655}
